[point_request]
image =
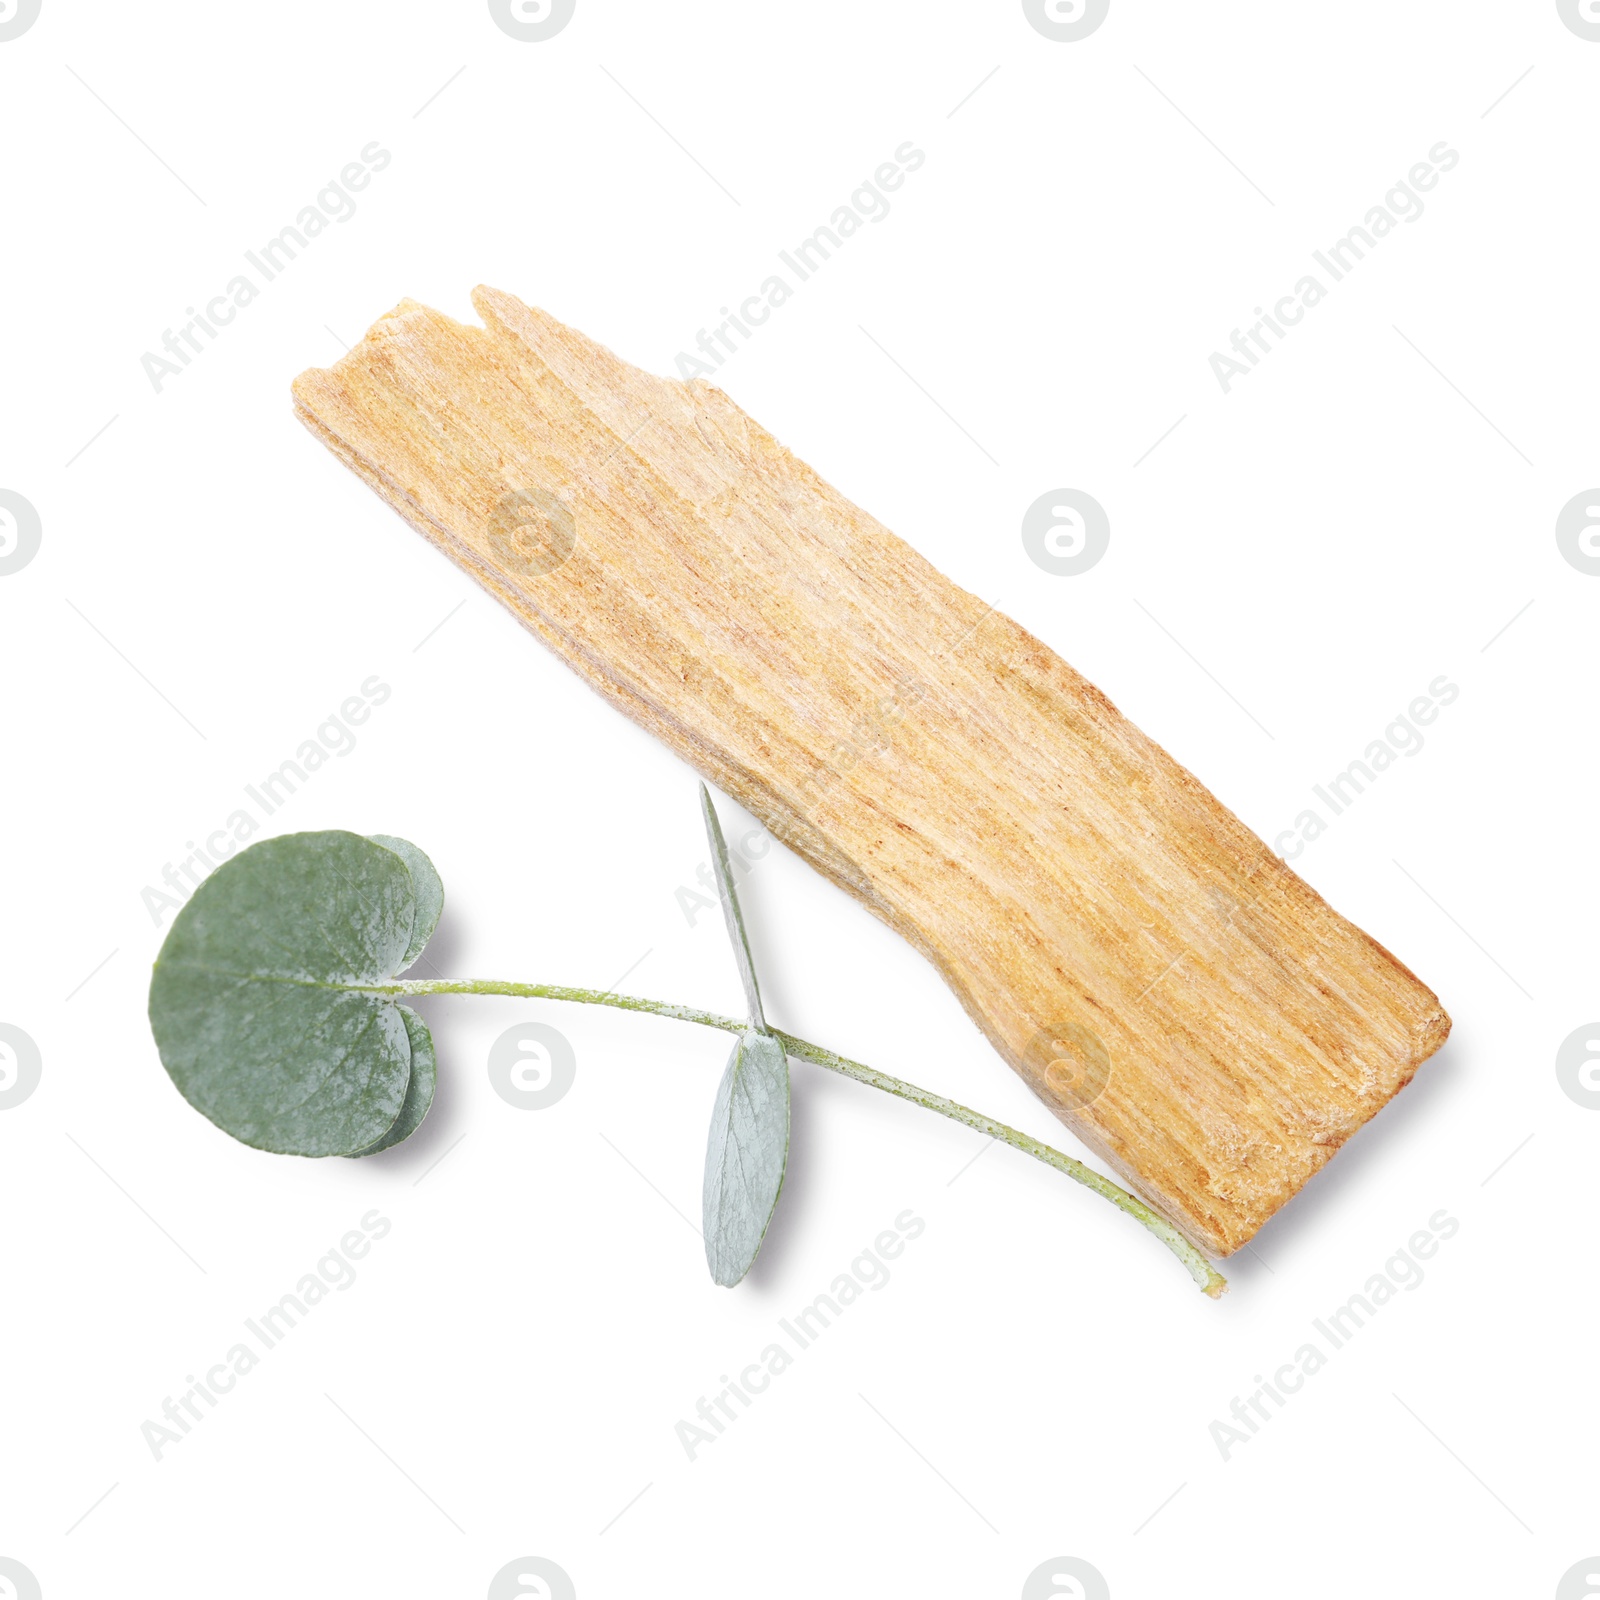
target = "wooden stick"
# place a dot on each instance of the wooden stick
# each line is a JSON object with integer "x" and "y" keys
{"x": 1193, "y": 1011}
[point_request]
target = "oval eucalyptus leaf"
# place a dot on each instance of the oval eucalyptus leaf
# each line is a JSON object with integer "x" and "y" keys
{"x": 731, "y": 913}
{"x": 746, "y": 1155}
{"x": 419, "y": 1092}
{"x": 428, "y": 889}
{"x": 258, "y": 1004}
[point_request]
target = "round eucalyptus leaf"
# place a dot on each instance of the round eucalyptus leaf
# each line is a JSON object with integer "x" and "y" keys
{"x": 259, "y": 1001}
{"x": 419, "y": 1092}
{"x": 427, "y": 887}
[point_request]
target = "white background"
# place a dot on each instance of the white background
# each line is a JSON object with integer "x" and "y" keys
{"x": 1368, "y": 510}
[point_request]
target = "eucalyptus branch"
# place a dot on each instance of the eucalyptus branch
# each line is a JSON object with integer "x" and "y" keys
{"x": 276, "y": 1008}
{"x": 1199, "y": 1268}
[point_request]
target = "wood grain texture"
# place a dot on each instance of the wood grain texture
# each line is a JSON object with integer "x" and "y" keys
{"x": 1170, "y": 988}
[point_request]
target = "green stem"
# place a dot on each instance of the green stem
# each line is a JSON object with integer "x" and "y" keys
{"x": 1200, "y": 1269}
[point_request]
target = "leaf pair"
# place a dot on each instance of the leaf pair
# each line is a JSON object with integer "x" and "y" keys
{"x": 748, "y": 1149}
{"x": 261, "y": 1003}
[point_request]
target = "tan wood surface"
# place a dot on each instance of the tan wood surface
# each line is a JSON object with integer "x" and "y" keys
{"x": 1172, "y": 990}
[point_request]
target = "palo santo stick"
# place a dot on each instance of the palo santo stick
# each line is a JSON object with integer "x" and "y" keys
{"x": 1193, "y": 1011}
